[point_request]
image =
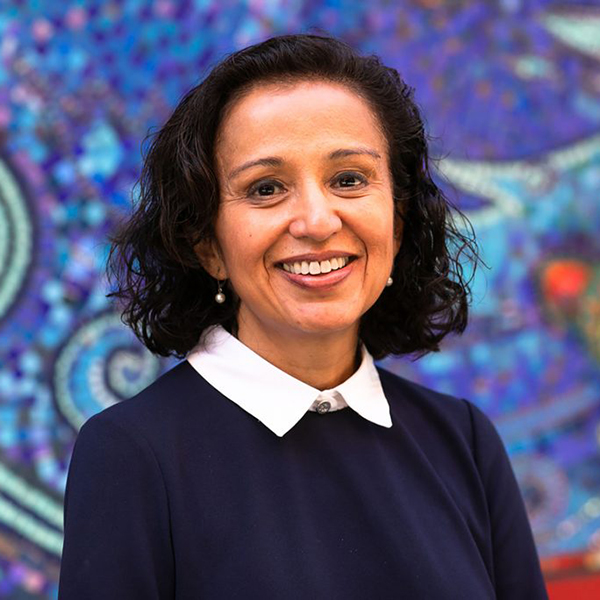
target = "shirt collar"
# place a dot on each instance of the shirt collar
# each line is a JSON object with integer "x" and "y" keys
{"x": 274, "y": 397}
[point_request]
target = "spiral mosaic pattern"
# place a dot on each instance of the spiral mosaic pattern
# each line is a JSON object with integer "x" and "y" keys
{"x": 99, "y": 366}
{"x": 16, "y": 239}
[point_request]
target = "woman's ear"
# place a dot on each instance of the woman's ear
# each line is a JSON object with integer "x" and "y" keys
{"x": 209, "y": 255}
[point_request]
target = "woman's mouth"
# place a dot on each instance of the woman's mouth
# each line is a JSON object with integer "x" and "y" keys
{"x": 314, "y": 267}
{"x": 318, "y": 274}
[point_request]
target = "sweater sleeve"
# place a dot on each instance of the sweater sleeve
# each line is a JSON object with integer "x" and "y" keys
{"x": 117, "y": 538}
{"x": 517, "y": 571}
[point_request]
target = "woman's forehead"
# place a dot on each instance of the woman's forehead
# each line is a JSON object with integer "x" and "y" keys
{"x": 276, "y": 118}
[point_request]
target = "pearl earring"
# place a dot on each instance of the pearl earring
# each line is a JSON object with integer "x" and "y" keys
{"x": 389, "y": 282}
{"x": 220, "y": 296}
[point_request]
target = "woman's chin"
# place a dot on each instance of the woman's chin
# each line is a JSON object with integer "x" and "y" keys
{"x": 300, "y": 319}
{"x": 319, "y": 325}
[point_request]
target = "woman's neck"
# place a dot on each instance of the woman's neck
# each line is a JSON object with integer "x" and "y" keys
{"x": 321, "y": 360}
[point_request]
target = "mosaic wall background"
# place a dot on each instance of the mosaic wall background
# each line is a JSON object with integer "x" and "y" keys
{"x": 511, "y": 91}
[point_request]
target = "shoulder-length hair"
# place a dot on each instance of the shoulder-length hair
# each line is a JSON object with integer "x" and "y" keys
{"x": 167, "y": 297}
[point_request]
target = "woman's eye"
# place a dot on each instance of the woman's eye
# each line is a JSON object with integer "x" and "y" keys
{"x": 265, "y": 188}
{"x": 350, "y": 180}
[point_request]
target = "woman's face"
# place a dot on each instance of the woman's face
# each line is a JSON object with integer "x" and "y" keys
{"x": 305, "y": 229}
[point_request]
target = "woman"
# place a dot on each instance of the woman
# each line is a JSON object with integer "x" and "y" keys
{"x": 288, "y": 233}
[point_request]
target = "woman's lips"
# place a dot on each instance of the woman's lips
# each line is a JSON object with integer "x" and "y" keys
{"x": 322, "y": 281}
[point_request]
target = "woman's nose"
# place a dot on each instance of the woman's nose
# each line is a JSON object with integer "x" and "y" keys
{"x": 315, "y": 216}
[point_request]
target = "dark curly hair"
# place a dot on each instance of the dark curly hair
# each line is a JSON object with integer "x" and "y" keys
{"x": 167, "y": 297}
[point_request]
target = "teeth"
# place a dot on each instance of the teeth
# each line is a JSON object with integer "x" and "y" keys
{"x": 314, "y": 267}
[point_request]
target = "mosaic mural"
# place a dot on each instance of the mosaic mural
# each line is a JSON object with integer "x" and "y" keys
{"x": 511, "y": 92}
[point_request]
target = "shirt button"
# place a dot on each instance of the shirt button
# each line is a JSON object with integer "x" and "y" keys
{"x": 323, "y": 407}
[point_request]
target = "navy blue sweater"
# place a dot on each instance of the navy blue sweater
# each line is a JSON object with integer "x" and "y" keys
{"x": 180, "y": 494}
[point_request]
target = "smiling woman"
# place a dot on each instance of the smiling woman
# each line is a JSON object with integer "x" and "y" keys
{"x": 288, "y": 233}
{"x": 305, "y": 231}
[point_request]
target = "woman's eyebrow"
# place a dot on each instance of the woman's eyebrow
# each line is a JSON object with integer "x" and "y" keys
{"x": 268, "y": 161}
{"x": 275, "y": 161}
{"x": 343, "y": 152}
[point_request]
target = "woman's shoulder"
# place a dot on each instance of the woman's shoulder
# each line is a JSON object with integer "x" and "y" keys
{"x": 425, "y": 410}
{"x": 178, "y": 395}
{"x": 400, "y": 390}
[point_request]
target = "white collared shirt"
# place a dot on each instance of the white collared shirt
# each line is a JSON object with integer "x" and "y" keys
{"x": 275, "y": 398}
